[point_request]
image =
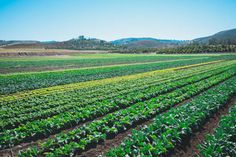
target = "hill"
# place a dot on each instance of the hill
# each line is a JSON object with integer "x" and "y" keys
{"x": 227, "y": 37}
{"x": 81, "y": 43}
{"x": 20, "y": 44}
{"x": 147, "y": 43}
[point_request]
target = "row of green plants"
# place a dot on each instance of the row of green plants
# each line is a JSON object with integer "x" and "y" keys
{"x": 41, "y": 128}
{"x": 169, "y": 129}
{"x": 61, "y": 96}
{"x": 98, "y": 88}
{"x": 97, "y": 93}
{"x": 28, "y": 81}
{"x": 94, "y": 109}
{"x": 223, "y": 141}
{"x": 42, "y": 63}
{"x": 103, "y": 90}
{"x": 81, "y": 138}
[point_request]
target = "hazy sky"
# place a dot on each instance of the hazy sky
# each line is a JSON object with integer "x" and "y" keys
{"x": 113, "y": 19}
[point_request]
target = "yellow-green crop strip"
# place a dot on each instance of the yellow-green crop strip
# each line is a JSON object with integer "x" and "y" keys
{"x": 73, "y": 116}
{"x": 79, "y": 108}
{"x": 118, "y": 121}
{"x": 29, "y": 81}
{"x": 101, "y": 91}
{"x": 74, "y": 86}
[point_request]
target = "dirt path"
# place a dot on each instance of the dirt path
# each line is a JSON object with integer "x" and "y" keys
{"x": 189, "y": 146}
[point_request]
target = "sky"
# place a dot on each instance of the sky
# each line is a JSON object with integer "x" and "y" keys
{"x": 60, "y": 20}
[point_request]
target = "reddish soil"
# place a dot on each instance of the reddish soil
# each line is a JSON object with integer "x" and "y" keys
{"x": 189, "y": 147}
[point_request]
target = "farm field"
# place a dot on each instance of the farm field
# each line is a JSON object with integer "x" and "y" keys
{"x": 71, "y": 61}
{"x": 118, "y": 105}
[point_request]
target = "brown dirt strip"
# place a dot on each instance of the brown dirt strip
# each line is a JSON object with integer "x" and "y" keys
{"x": 189, "y": 146}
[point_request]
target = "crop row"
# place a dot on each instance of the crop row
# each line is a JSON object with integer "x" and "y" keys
{"x": 94, "y": 109}
{"x": 110, "y": 125}
{"x": 20, "y": 82}
{"x": 47, "y": 126}
{"x": 93, "y": 94}
{"x": 120, "y": 83}
{"x": 222, "y": 141}
{"x": 169, "y": 129}
{"x": 61, "y": 89}
{"x": 42, "y": 63}
{"x": 103, "y": 89}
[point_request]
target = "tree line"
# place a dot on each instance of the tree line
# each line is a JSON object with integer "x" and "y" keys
{"x": 190, "y": 48}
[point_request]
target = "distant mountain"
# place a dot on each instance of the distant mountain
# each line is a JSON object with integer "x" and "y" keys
{"x": 49, "y": 42}
{"x": 20, "y": 44}
{"x": 15, "y": 42}
{"x": 3, "y": 42}
{"x": 147, "y": 42}
{"x": 227, "y": 37}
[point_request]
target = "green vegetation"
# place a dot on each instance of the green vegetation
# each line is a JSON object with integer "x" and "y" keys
{"x": 193, "y": 48}
{"x": 91, "y": 111}
{"x": 112, "y": 124}
{"x": 81, "y": 43}
{"x": 67, "y": 112}
{"x": 170, "y": 128}
{"x": 18, "y": 82}
{"x": 21, "y": 64}
{"x": 222, "y": 142}
{"x": 199, "y": 48}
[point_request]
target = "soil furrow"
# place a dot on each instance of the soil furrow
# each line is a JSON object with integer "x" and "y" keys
{"x": 103, "y": 147}
{"x": 100, "y": 148}
{"x": 189, "y": 146}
